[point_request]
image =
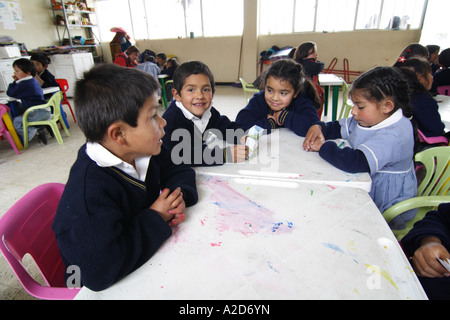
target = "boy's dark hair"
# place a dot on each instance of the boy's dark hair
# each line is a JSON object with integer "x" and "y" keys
{"x": 291, "y": 71}
{"x": 25, "y": 65}
{"x": 444, "y": 58}
{"x": 433, "y": 48}
{"x": 162, "y": 55}
{"x": 108, "y": 93}
{"x": 189, "y": 68}
{"x": 40, "y": 57}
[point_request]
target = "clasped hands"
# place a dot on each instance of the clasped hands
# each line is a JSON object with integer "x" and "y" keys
{"x": 170, "y": 206}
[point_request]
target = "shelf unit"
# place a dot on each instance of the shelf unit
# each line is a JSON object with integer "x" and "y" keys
{"x": 71, "y": 17}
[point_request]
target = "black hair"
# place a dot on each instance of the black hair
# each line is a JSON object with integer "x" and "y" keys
{"x": 25, "y": 65}
{"x": 187, "y": 69}
{"x": 304, "y": 50}
{"x": 291, "y": 71}
{"x": 40, "y": 57}
{"x": 162, "y": 55}
{"x": 414, "y": 50}
{"x": 108, "y": 93}
{"x": 411, "y": 68}
{"x": 432, "y": 48}
{"x": 444, "y": 58}
{"x": 381, "y": 83}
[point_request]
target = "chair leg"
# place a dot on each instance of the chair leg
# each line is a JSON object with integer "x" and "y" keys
{"x": 56, "y": 132}
{"x": 71, "y": 111}
{"x": 11, "y": 142}
{"x": 25, "y": 135}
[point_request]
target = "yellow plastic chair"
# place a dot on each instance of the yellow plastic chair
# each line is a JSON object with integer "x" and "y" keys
{"x": 55, "y": 104}
{"x": 347, "y": 104}
{"x": 431, "y": 192}
{"x": 249, "y": 89}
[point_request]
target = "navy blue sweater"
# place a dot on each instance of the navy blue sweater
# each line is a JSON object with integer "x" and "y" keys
{"x": 426, "y": 114}
{"x": 299, "y": 116}
{"x": 217, "y": 123}
{"x": 28, "y": 91}
{"x": 103, "y": 223}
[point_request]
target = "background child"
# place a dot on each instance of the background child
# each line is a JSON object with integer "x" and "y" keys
{"x": 289, "y": 100}
{"x": 171, "y": 66}
{"x": 123, "y": 191}
{"x": 425, "y": 108}
{"x": 26, "y": 88}
{"x": 427, "y": 242}
{"x": 380, "y": 136}
{"x": 306, "y": 54}
{"x": 128, "y": 58}
{"x": 192, "y": 111}
{"x": 442, "y": 77}
{"x": 161, "y": 59}
{"x": 43, "y": 76}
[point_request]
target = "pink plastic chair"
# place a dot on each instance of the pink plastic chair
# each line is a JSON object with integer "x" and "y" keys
{"x": 3, "y": 131}
{"x": 27, "y": 228}
{"x": 441, "y": 140}
{"x": 444, "y": 90}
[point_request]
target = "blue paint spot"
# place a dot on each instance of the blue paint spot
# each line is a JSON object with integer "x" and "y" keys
{"x": 333, "y": 247}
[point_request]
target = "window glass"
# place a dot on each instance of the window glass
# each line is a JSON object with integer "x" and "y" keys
{"x": 401, "y": 14}
{"x": 109, "y": 14}
{"x": 368, "y": 14}
{"x": 336, "y": 15}
{"x": 165, "y": 19}
{"x": 223, "y": 18}
{"x": 305, "y": 13}
{"x": 276, "y": 16}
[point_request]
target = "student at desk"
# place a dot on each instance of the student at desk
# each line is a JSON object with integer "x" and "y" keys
{"x": 289, "y": 100}
{"x": 200, "y": 124}
{"x": 381, "y": 139}
{"x": 26, "y": 88}
{"x": 124, "y": 192}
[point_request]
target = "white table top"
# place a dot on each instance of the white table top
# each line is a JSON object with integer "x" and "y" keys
{"x": 444, "y": 110}
{"x": 329, "y": 79}
{"x": 247, "y": 239}
{"x": 281, "y": 157}
{"x": 4, "y": 98}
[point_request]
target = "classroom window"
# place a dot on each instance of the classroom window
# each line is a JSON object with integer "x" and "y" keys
{"x": 289, "y": 16}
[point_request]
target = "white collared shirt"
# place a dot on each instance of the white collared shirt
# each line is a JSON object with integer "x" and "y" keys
{"x": 24, "y": 78}
{"x": 200, "y": 123}
{"x": 104, "y": 158}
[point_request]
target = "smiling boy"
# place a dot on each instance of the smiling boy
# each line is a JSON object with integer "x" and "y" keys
{"x": 192, "y": 118}
{"x": 124, "y": 192}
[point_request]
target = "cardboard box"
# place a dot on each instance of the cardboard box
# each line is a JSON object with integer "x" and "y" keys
{"x": 9, "y": 51}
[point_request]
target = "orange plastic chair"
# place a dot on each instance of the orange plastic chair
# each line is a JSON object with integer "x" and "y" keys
{"x": 3, "y": 131}
{"x": 64, "y": 85}
{"x": 27, "y": 228}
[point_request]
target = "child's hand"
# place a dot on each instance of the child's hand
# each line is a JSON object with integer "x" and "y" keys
{"x": 425, "y": 261}
{"x": 239, "y": 153}
{"x": 178, "y": 213}
{"x": 314, "y": 137}
{"x": 170, "y": 205}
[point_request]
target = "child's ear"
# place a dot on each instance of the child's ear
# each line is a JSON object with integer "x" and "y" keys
{"x": 388, "y": 106}
{"x": 175, "y": 94}
{"x": 116, "y": 133}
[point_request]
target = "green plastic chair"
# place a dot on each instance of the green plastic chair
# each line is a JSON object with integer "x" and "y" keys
{"x": 249, "y": 89}
{"x": 55, "y": 104}
{"x": 347, "y": 105}
{"x": 431, "y": 192}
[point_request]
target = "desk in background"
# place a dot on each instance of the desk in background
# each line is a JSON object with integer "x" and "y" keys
{"x": 328, "y": 80}
{"x": 444, "y": 110}
{"x": 264, "y": 239}
{"x": 281, "y": 157}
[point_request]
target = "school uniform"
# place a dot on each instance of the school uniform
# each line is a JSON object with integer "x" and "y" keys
{"x": 442, "y": 77}
{"x": 122, "y": 60}
{"x": 311, "y": 67}
{"x": 103, "y": 222}
{"x": 299, "y": 116}
{"x": 49, "y": 79}
{"x": 435, "y": 223}
{"x": 388, "y": 149}
{"x": 195, "y": 146}
{"x": 426, "y": 114}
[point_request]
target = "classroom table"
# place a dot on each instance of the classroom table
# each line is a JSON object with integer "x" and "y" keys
{"x": 254, "y": 239}
{"x": 328, "y": 80}
{"x": 281, "y": 157}
{"x": 444, "y": 110}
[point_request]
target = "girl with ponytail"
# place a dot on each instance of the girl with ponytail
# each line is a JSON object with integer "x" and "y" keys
{"x": 380, "y": 136}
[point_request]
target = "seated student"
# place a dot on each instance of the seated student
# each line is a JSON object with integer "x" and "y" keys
{"x": 149, "y": 65}
{"x": 289, "y": 100}
{"x": 199, "y": 122}
{"x": 161, "y": 59}
{"x": 380, "y": 137}
{"x": 124, "y": 192}
{"x": 425, "y": 109}
{"x": 171, "y": 66}
{"x": 26, "y": 88}
{"x": 442, "y": 76}
{"x": 128, "y": 58}
{"x": 306, "y": 54}
{"x": 43, "y": 76}
{"x": 428, "y": 241}
{"x": 433, "y": 57}
{"x": 414, "y": 50}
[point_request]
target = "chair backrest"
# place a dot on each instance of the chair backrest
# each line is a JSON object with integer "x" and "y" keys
{"x": 27, "y": 228}
{"x": 437, "y": 176}
{"x": 346, "y": 103}
{"x": 441, "y": 140}
{"x": 248, "y": 89}
{"x": 63, "y": 84}
{"x": 444, "y": 90}
{"x": 55, "y": 103}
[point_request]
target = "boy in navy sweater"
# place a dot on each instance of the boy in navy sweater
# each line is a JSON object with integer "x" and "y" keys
{"x": 124, "y": 193}
{"x": 26, "y": 88}
{"x": 194, "y": 126}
